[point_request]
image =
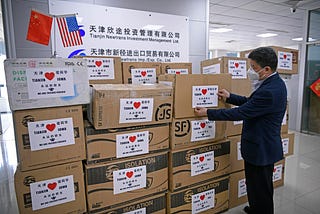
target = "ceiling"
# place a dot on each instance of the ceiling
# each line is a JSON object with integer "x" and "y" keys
{"x": 247, "y": 18}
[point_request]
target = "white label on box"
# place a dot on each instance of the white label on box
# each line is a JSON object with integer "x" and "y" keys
{"x": 202, "y": 130}
{"x": 125, "y": 180}
{"x": 177, "y": 71}
{"x": 205, "y": 96}
{"x": 284, "y": 120}
{"x": 285, "y": 145}
{"x": 203, "y": 201}
{"x": 238, "y": 69}
{"x": 135, "y": 110}
{"x": 52, "y": 192}
{"x": 285, "y": 60}
{"x": 143, "y": 75}
{"x": 138, "y": 211}
{"x": 211, "y": 69}
{"x": 202, "y": 163}
{"x": 100, "y": 68}
{"x": 242, "y": 188}
{"x": 277, "y": 173}
{"x": 48, "y": 134}
{"x": 239, "y": 122}
{"x": 49, "y": 82}
{"x": 131, "y": 144}
{"x": 239, "y": 151}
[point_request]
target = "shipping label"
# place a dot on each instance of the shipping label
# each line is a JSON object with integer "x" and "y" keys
{"x": 285, "y": 145}
{"x": 239, "y": 122}
{"x": 138, "y": 211}
{"x": 202, "y": 163}
{"x": 135, "y": 110}
{"x": 52, "y": 192}
{"x": 48, "y": 134}
{"x": 202, "y": 130}
{"x": 212, "y": 69}
{"x": 239, "y": 151}
{"x": 284, "y": 120}
{"x": 242, "y": 188}
{"x": 100, "y": 68}
{"x": 284, "y": 60}
{"x": 277, "y": 173}
{"x": 125, "y": 180}
{"x": 143, "y": 75}
{"x": 177, "y": 71}
{"x": 238, "y": 69}
{"x": 203, "y": 201}
{"x": 131, "y": 144}
{"x": 50, "y": 82}
{"x": 205, "y": 96}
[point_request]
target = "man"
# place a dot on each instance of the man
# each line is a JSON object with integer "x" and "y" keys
{"x": 262, "y": 115}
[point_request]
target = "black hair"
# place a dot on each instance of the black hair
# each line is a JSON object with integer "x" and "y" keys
{"x": 265, "y": 56}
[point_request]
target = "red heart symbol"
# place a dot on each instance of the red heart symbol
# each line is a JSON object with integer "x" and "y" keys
{"x": 274, "y": 170}
{"x": 201, "y": 158}
{"x": 136, "y": 104}
{"x": 49, "y": 75}
{"x": 143, "y": 73}
{"x": 98, "y": 63}
{"x": 285, "y": 56}
{"x": 204, "y": 91}
{"x": 132, "y": 138}
{"x": 129, "y": 174}
{"x": 52, "y": 186}
{"x": 202, "y": 197}
{"x": 178, "y": 72}
{"x": 203, "y": 125}
{"x": 51, "y": 127}
{"x": 236, "y": 64}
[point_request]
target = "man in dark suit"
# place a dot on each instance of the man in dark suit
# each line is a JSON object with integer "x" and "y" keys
{"x": 262, "y": 114}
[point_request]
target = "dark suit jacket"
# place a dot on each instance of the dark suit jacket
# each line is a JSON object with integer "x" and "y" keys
{"x": 262, "y": 114}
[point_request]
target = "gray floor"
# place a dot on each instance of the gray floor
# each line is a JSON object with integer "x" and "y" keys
{"x": 299, "y": 195}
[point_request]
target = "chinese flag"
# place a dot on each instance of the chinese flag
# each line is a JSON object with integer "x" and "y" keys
{"x": 39, "y": 28}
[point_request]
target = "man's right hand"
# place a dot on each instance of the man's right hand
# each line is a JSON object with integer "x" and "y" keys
{"x": 223, "y": 94}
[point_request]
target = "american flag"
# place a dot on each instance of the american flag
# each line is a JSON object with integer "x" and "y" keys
{"x": 69, "y": 31}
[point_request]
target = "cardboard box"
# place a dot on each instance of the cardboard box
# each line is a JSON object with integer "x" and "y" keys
{"x": 278, "y": 173}
{"x": 193, "y": 90}
{"x": 215, "y": 193}
{"x": 285, "y": 121}
{"x": 287, "y": 59}
{"x": 287, "y": 143}
{"x": 236, "y": 160}
{"x": 176, "y": 68}
{"x": 56, "y": 189}
{"x": 235, "y": 66}
{"x": 238, "y": 189}
{"x": 199, "y": 163}
{"x": 46, "y": 82}
{"x": 49, "y": 136}
{"x": 111, "y": 184}
{"x": 123, "y": 105}
{"x": 111, "y": 144}
{"x": 155, "y": 204}
{"x": 140, "y": 72}
{"x": 189, "y": 132}
{"x": 104, "y": 70}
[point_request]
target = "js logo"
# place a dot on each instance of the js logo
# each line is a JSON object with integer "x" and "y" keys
{"x": 163, "y": 112}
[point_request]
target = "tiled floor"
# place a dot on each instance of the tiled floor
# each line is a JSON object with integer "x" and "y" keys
{"x": 299, "y": 195}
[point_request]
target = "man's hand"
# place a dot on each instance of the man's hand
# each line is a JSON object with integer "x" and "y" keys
{"x": 223, "y": 94}
{"x": 200, "y": 111}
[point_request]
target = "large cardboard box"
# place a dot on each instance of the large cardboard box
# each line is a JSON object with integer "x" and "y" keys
{"x": 140, "y": 72}
{"x": 278, "y": 173}
{"x": 56, "y": 189}
{"x": 206, "y": 197}
{"x": 199, "y": 163}
{"x": 176, "y": 68}
{"x": 287, "y": 143}
{"x": 104, "y": 70}
{"x": 123, "y": 105}
{"x": 46, "y": 82}
{"x": 111, "y": 144}
{"x": 287, "y": 59}
{"x": 189, "y": 132}
{"x": 49, "y": 136}
{"x": 193, "y": 90}
{"x": 236, "y": 160}
{"x": 112, "y": 183}
{"x": 238, "y": 189}
{"x": 155, "y": 204}
{"x": 235, "y": 66}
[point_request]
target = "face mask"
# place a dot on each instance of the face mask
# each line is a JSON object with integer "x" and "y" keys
{"x": 253, "y": 75}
